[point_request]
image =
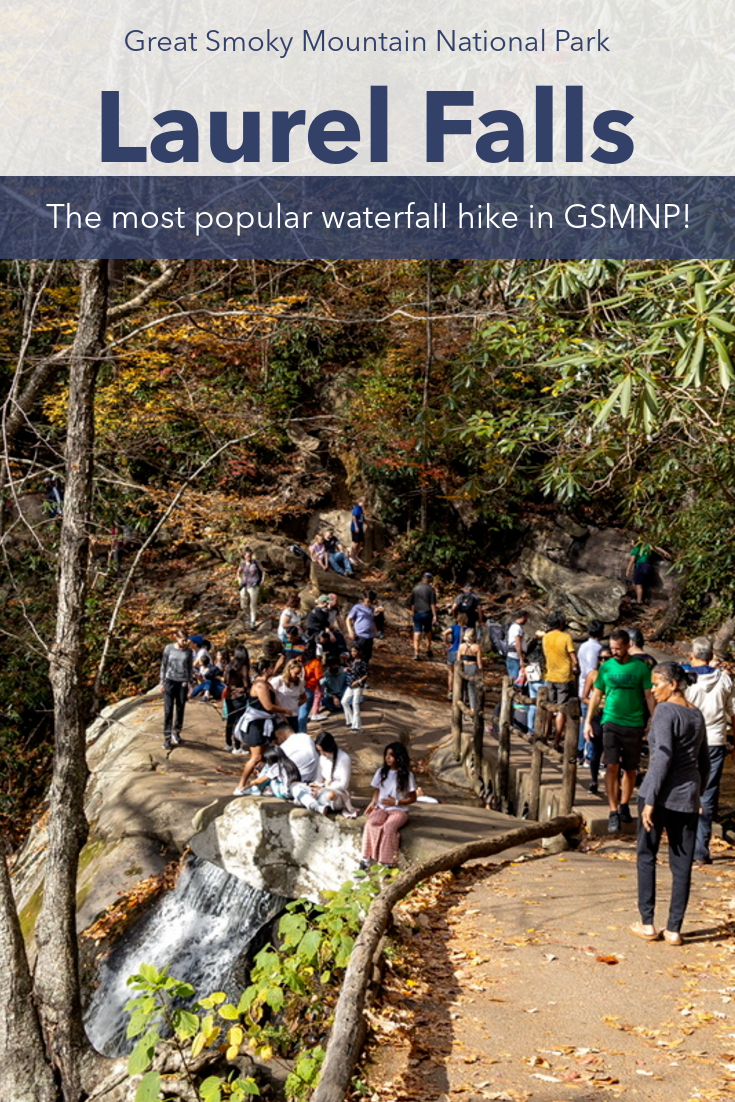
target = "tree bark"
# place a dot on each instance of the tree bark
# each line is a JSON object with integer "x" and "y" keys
{"x": 723, "y": 637}
{"x": 25, "y": 1075}
{"x": 57, "y": 972}
{"x": 344, "y": 1043}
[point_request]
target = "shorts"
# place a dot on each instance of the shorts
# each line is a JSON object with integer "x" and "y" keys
{"x": 253, "y": 735}
{"x": 622, "y": 745}
{"x": 642, "y": 573}
{"x": 422, "y": 621}
{"x": 560, "y": 692}
{"x": 451, "y": 657}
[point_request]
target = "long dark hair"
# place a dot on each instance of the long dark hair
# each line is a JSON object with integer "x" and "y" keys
{"x": 327, "y": 742}
{"x": 238, "y": 670}
{"x": 403, "y": 766}
{"x": 274, "y": 755}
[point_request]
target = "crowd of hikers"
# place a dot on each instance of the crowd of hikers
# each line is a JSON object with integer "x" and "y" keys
{"x": 676, "y": 718}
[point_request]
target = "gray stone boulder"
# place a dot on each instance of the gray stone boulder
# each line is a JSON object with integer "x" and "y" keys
{"x": 580, "y": 595}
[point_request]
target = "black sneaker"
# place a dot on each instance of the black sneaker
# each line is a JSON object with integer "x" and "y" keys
{"x": 625, "y": 815}
{"x": 593, "y": 790}
{"x": 167, "y": 744}
{"x": 613, "y": 823}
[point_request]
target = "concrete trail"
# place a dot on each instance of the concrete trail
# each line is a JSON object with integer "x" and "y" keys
{"x": 525, "y": 983}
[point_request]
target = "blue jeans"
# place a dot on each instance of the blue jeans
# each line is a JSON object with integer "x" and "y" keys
{"x": 340, "y": 563}
{"x": 512, "y": 665}
{"x": 304, "y": 709}
{"x": 710, "y": 798}
{"x": 533, "y": 688}
{"x": 585, "y": 750}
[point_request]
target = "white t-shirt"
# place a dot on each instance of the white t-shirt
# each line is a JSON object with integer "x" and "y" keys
{"x": 287, "y": 696}
{"x": 303, "y": 753}
{"x": 389, "y": 787}
{"x": 514, "y": 631}
{"x": 290, "y": 618}
{"x": 336, "y": 774}
{"x": 588, "y": 656}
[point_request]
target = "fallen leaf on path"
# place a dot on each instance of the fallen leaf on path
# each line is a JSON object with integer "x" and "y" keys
{"x": 607, "y": 960}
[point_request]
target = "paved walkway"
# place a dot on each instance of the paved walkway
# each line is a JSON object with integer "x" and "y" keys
{"x": 520, "y": 980}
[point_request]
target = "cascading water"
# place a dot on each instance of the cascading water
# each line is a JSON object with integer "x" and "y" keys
{"x": 198, "y": 932}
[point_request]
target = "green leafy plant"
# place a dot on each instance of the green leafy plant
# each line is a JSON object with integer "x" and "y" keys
{"x": 154, "y": 1010}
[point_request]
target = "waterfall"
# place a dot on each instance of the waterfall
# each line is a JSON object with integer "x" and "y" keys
{"x": 199, "y": 932}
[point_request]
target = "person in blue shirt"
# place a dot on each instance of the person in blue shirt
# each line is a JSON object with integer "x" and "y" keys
{"x": 453, "y": 637}
{"x": 357, "y": 529}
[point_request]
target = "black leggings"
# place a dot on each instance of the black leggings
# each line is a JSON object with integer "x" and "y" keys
{"x": 235, "y": 708}
{"x": 681, "y": 828}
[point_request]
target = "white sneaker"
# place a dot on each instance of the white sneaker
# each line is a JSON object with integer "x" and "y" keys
{"x": 238, "y": 751}
{"x": 241, "y": 792}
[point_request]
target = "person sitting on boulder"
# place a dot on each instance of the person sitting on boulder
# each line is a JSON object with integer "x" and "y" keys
{"x": 300, "y": 748}
{"x": 318, "y": 552}
{"x": 394, "y": 790}
{"x": 337, "y": 557}
{"x": 212, "y": 686}
{"x": 331, "y": 790}
{"x": 278, "y": 775}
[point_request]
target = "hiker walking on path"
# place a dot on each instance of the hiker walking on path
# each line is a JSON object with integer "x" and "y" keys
{"x": 561, "y": 666}
{"x": 453, "y": 639}
{"x": 712, "y": 693}
{"x": 588, "y": 657}
{"x": 515, "y": 659}
{"x": 626, "y": 687}
{"x": 237, "y": 685}
{"x": 357, "y": 529}
{"x": 177, "y": 674}
{"x": 361, "y": 623}
{"x": 423, "y": 606}
{"x": 250, "y": 579}
{"x": 469, "y": 656}
{"x": 669, "y": 798}
{"x": 356, "y": 674}
{"x": 594, "y": 743}
{"x": 469, "y": 603}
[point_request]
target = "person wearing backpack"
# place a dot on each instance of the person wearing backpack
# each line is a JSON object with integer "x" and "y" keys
{"x": 176, "y": 675}
{"x": 469, "y": 603}
{"x": 249, "y": 580}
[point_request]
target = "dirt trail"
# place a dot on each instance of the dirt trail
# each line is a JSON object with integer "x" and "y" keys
{"x": 519, "y": 980}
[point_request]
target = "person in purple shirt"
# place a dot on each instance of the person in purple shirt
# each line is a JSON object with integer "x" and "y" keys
{"x": 361, "y": 623}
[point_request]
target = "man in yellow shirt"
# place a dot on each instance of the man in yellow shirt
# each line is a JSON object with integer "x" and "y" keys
{"x": 561, "y": 663}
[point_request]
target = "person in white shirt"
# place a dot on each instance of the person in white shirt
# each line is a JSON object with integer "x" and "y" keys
{"x": 289, "y": 689}
{"x": 714, "y": 695}
{"x": 515, "y": 659}
{"x": 394, "y": 791}
{"x": 290, "y": 617}
{"x": 300, "y": 748}
{"x": 331, "y": 791}
{"x": 588, "y": 657}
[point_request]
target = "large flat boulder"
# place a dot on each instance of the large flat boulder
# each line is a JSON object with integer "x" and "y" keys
{"x": 581, "y": 595}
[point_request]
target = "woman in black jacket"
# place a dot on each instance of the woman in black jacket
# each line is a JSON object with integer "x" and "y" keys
{"x": 669, "y": 799}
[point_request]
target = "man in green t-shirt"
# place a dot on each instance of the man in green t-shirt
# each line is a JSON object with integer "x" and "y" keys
{"x": 626, "y": 686}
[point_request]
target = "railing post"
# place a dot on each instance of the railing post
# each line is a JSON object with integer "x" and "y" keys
{"x": 571, "y": 737}
{"x": 457, "y": 710}
{"x": 537, "y": 755}
{"x": 478, "y": 731}
{"x": 503, "y": 775}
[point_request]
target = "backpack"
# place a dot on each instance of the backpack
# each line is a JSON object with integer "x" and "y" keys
{"x": 498, "y": 637}
{"x": 467, "y": 603}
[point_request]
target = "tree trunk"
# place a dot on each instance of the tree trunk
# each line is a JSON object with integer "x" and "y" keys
{"x": 57, "y": 972}
{"x": 673, "y": 608}
{"x": 25, "y": 1076}
{"x": 344, "y": 1043}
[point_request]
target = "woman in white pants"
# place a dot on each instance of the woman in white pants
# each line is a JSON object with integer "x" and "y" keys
{"x": 357, "y": 673}
{"x": 331, "y": 791}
